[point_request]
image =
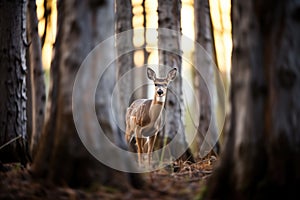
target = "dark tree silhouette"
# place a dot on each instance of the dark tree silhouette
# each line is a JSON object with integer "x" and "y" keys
{"x": 13, "y": 42}
{"x": 261, "y": 158}
{"x": 37, "y": 81}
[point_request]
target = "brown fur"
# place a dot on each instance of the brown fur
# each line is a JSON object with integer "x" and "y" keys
{"x": 138, "y": 116}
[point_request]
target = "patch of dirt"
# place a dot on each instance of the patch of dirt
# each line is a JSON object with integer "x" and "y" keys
{"x": 180, "y": 181}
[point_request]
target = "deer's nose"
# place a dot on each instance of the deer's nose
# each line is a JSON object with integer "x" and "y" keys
{"x": 160, "y": 92}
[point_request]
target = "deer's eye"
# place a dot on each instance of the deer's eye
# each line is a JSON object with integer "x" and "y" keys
{"x": 155, "y": 85}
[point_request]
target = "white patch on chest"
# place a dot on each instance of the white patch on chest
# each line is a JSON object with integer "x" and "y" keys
{"x": 161, "y": 99}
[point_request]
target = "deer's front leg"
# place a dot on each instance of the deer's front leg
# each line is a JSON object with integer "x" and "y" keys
{"x": 151, "y": 143}
{"x": 139, "y": 139}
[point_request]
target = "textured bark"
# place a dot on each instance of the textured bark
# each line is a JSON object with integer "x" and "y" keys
{"x": 262, "y": 157}
{"x": 28, "y": 101}
{"x": 13, "y": 82}
{"x": 144, "y": 92}
{"x": 204, "y": 36}
{"x": 38, "y": 96}
{"x": 169, "y": 17}
{"x": 124, "y": 63}
{"x": 62, "y": 158}
{"x": 41, "y": 166}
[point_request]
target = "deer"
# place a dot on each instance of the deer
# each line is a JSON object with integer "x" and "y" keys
{"x": 144, "y": 117}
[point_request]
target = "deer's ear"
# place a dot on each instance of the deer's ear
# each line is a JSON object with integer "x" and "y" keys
{"x": 151, "y": 74}
{"x": 172, "y": 74}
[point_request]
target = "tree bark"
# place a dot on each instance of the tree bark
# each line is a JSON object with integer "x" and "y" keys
{"x": 205, "y": 37}
{"x": 124, "y": 62}
{"x": 144, "y": 88}
{"x": 41, "y": 167}
{"x": 262, "y": 157}
{"x": 38, "y": 96}
{"x": 62, "y": 158}
{"x": 169, "y": 46}
{"x": 13, "y": 136}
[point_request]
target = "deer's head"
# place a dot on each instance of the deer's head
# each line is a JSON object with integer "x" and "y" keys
{"x": 161, "y": 84}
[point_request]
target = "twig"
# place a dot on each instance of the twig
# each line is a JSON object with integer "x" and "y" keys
{"x": 10, "y": 141}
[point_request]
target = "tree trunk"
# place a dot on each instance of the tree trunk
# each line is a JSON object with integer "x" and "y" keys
{"x": 41, "y": 165}
{"x": 62, "y": 158}
{"x": 103, "y": 16}
{"x": 13, "y": 136}
{"x": 169, "y": 45}
{"x": 38, "y": 96}
{"x": 124, "y": 62}
{"x": 144, "y": 89}
{"x": 262, "y": 157}
{"x": 205, "y": 91}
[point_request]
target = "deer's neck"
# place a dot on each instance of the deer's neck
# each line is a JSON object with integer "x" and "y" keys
{"x": 156, "y": 107}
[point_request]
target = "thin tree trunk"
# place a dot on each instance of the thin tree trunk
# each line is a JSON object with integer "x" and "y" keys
{"x": 13, "y": 135}
{"x": 124, "y": 62}
{"x": 204, "y": 36}
{"x": 41, "y": 166}
{"x": 262, "y": 157}
{"x": 144, "y": 92}
{"x": 170, "y": 56}
{"x": 28, "y": 101}
{"x": 38, "y": 96}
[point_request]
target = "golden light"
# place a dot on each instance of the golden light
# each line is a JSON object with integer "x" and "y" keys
{"x": 137, "y": 10}
{"x": 51, "y": 30}
{"x": 220, "y": 13}
{"x": 153, "y": 58}
{"x": 188, "y": 30}
{"x": 187, "y": 21}
{"x": 151, "y": 11}
{"x": 136, "y": 2}
{"x": 40, "y": 13}
{"x": 139, "y": 58}
{"x": 151, "y": 22}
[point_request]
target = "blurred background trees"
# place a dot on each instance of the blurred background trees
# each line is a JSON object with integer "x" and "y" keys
{"x": 69, "y": 31}
{"x": 261, "y": 146}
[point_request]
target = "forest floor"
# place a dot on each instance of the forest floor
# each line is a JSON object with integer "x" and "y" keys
{"x": 188, "y": 182}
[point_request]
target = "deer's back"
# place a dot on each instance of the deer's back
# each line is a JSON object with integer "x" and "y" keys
{"x": 139, "y": 110}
